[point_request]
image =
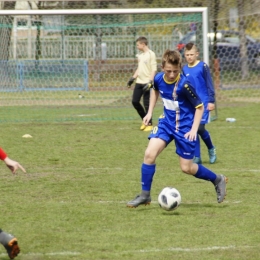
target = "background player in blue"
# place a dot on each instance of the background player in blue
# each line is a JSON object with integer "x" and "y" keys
{"x": 183, "y": 110}
{"x": 200, "y": 73}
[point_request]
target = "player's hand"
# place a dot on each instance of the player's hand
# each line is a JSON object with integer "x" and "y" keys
{"x": 130, "y": 82}
{"x": 147, "y": 119}
{"x": 211, "y": 106}
{"x": 148, "y": 86}
{"x": 191, "y": 135}
{"x": 13, "y": 165}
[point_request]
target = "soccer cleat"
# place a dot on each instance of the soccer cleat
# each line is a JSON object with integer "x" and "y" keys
{"x": 142, "y": 127}
{"x": 139, "y": 200}
{"x": 221, "y": 188}
{"x": 148, "y": 128}
{"x": 161, "y": 116}
{"x": 12, "y": 247}
{"x": 212, "y": 155}
{"x": 197, "y": 160}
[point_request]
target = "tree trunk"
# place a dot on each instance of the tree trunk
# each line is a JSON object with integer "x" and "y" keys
{"x": 216, "y": 68}
{"x": 242, "y": 37}
{"x": 38, "y": 45}
{"x": 98, "y": 42}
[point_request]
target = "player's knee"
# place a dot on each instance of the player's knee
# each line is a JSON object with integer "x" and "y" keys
{"x": 149, "y": 157}
{"x": 186, "y": 168}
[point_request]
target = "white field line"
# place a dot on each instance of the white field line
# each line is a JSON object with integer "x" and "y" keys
{"x": 104, "y": 168}
{"x": 161, "y": 168}
{"x": 175, "y": 249}
{"x": 86, "y": 115}
{"x": 153, "y": 202}
{"x": 65, "y": 253}
{"x": 179, "y": 249}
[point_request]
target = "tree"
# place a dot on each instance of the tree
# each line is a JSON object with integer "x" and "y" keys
{"x": 242, "y": 37}
{"x": 216, "y": 67}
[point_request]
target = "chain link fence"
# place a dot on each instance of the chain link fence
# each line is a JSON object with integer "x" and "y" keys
{"x": 103, "y": 49}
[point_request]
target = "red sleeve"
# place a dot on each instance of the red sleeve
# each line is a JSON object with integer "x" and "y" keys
{"x": 3, "y": 155}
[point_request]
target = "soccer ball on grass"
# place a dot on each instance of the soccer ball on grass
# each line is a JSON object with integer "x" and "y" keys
{"x": 169, "y": 198}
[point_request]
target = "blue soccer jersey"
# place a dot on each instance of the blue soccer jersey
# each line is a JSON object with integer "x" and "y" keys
{"x": 199, "y": 75}
{"x": 180, "y": 102}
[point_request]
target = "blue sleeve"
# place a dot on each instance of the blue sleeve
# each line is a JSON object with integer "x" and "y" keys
{"x": 209, "y": 83}
{"x": 190, "y": 92}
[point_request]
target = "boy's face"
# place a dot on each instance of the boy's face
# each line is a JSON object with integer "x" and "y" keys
{"x": 191, "y": 56}
{"x": 171, "y": 71}
{"x": 140, "y": 46}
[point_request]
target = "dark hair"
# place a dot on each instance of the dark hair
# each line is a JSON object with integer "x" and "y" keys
{"x": 189, "y": 46}
{"x": 172, "y": 57}
{"x": 142, "y": 39}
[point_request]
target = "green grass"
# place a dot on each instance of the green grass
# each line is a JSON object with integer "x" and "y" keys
{"x": 97, "y": 105}
{"x": 71, "y": 203}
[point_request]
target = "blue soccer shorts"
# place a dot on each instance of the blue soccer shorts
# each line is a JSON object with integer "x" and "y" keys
{"x": 184, "y": 147}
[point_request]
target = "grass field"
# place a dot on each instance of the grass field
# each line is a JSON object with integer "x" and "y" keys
{"x": 71, "y": 203}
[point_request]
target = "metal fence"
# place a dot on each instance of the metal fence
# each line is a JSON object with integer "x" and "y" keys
{"x": 83, "y": 47}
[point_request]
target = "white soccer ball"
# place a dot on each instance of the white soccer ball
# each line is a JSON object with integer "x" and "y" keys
{"x": 169, "y": 198}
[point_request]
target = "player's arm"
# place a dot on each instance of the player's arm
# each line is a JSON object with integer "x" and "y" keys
{"x": 210, "y": 87}
{"x": 11, "y": 164}
{"x": 153, "y": 99}
{"x": 197, "y": 118}
{"x": 196, "y": 102}
{"x": 192, "y": 134}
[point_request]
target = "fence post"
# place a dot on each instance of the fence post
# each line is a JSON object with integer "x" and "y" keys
{"x": 85, "y": 68}
{"x": 20, "y": 72}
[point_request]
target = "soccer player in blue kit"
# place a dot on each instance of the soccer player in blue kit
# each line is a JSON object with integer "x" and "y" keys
{"x": 200, "y": 74}
{"x": 183, "y": 110}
